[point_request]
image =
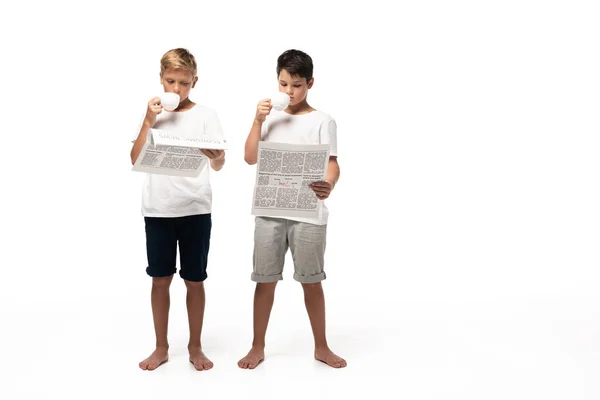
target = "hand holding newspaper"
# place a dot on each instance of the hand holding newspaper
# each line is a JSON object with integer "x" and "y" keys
{"x": 283, "y": 174}
{"x": 167, "y": 154}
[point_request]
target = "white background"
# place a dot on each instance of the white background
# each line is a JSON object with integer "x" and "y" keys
{"x": 462, "y": 254}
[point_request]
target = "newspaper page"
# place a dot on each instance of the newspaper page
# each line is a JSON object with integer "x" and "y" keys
{"x": 168, "y": 154}
{"x": 283, "y": 174}
{"x": 164, "y": 138}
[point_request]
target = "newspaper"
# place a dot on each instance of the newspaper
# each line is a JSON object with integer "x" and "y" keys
{"x": 283, "y": 174}
{"x": 168, "y": 154}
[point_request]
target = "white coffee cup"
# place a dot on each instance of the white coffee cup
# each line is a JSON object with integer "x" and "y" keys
{"x": 280, "y": 101}
{"x": 169, "y": 100}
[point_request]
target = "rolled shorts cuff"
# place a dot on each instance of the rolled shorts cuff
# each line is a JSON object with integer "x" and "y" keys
{"x": 266, "y": 278}
{"x": 201, "y": 277}
{"x": 160, "y": 273}
{"x": 310, "y": 278}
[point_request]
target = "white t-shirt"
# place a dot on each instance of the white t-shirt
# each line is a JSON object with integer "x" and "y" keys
{"x": 316, "y": 127}
{"x": 176, "y": 196}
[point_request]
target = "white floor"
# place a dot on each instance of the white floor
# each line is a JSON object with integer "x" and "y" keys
{"x": 408, "y": 340}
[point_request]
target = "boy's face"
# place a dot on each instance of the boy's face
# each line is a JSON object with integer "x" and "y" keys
{"x": 294, "y": 86}
{"x": 180, "y": 81}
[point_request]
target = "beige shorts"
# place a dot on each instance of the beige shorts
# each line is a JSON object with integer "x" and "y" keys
{"x": 273, "y": 236}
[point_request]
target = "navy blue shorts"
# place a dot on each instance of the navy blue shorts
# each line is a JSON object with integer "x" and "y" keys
{"x": 193, "y": 234}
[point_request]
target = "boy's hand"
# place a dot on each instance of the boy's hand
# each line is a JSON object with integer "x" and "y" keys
{"x": 322, "y": 189}
{"x": 213, "y": 154}
{"x": 154, "y": 108}
{"x": 263, "y": 109}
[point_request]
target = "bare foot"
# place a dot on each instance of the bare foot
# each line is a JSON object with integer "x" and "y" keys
{"x": 156, "y": 359}
{"x": 253, "y": 358}
{"x": 324, "y": 354}
{"x": 200, "y": 361}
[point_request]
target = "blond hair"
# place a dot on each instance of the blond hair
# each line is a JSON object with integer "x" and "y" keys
{"x": 178, "y": 59}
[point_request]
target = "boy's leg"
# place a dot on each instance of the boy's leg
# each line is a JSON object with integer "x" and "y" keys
{"x": 314, "y": 299}
{"x": 161, "y": 247}
{"x": 307, "y": 243}
{"x": 270, "y": 246}
{"x": 160, "y": 312}
{"x": 195, "y": 301}
{"x": 264, "y": 296}
{"x": 194, "y": 242}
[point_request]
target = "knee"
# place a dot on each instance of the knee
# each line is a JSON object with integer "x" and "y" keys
{"x": 193, "y": 285}
{"x": 266, "y": 288}
{"x": 162, "y": 282}
{"x": 310, "y": 288}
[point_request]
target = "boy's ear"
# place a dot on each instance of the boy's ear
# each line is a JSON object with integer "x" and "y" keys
{"x": 194, "y": 82}
{"x": 161, "y": 79}
{"x": 310, "y": 82}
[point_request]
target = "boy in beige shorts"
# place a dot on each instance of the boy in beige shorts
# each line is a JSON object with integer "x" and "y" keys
{"x": 299, "y": 123}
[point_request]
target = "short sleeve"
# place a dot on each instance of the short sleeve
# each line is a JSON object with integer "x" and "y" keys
{"x": 328, "y": 134}
{"x": 212, "y": 126}
{"x": 139, "y": 127}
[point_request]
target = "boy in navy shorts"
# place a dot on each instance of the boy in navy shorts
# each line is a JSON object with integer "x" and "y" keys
{"x": 177, "y": 210}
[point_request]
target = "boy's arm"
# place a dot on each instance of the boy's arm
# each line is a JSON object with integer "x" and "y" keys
{"x": 218, "y": 164}
{"x": 217, "y": 158}
{"x": 212, "y": 127}
{"x": 251, "y": 149}
{"x": 333, "y": 171}
{"x": 323, "y": 189}
{"x": 137, "y": 147}
{"x": 154, "y": 108}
